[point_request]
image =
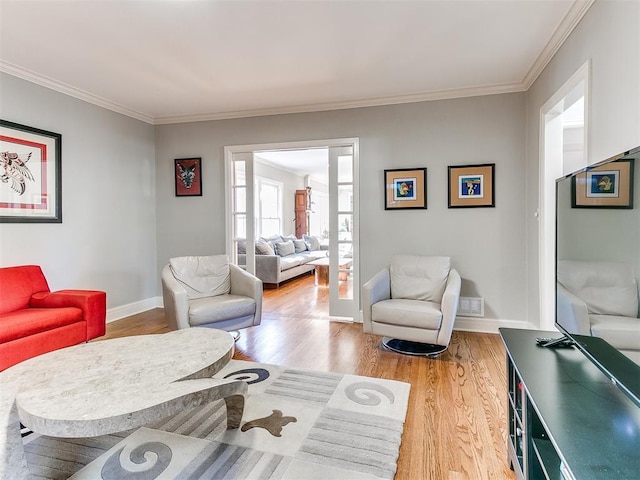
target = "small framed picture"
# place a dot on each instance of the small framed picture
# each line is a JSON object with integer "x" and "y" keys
{"x": 188, "y": 177}
{"x": 606, "y": 186}
{"x": 30, "y": 170}
{"x": 405, "y": 188}
{"x": 471, "y": 186}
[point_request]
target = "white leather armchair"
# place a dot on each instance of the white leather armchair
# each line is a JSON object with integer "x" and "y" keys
{"x": 208, "y": 291}
{"x": 600, "y": 299}
{"x": 413, "y": 304}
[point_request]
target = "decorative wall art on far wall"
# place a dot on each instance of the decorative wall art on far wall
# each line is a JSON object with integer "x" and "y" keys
{"x": 188, "y": 177}
{"x": 471, "y": 186}
{"x": 30, "y": 174}
{"x": 606, "y": 186}
{"x": 405, "y": 188}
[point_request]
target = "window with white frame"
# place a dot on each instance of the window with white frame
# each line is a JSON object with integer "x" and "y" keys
{"x": 269, "y": 207}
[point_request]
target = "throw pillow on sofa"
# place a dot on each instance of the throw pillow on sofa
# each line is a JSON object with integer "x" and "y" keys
{"x": 263, "y": 248}
{"x": 272, "y": 240}
{"x": 313, "y": 243}
{"x": 299, "y": 245}
{"x": 285, "y": 248}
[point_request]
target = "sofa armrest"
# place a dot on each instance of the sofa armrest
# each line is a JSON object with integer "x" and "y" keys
{"x": 93, "y": 304}
{"x": 378, "y": 288}
{"x": 449, "y": 306}
{"x": 243, "y": 283}
{"x": 268, "y": 268}
{"x": 175, "y": 300}
{"x": 572, "y": 312}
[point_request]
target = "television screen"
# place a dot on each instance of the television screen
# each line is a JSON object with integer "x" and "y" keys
{"x": 598, "y": 265}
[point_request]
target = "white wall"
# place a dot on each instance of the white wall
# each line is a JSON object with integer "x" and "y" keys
{"x": 609, "y": 37}
{"x": 486, "y": 244}
{"x": 107, "y": 240}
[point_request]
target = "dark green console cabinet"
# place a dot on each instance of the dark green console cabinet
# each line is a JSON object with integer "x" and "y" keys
{"x": 567, "y": 420}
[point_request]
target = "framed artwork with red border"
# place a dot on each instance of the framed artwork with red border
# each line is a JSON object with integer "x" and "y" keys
{"x": 188, "y": 177}
{"x": 30, "y": 174}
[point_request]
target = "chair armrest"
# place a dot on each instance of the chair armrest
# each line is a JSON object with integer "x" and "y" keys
{"x": 243, "y": 283}
{"x": 449, "y": 306}
{"x": 93, "y": 304}
{"x": 572, "y": 312}
{"x": 176, "y": 301}
{"x": 378, "y": 288}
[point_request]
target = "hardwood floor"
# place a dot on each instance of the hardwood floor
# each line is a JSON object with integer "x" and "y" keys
{"x": 456, "y": 424}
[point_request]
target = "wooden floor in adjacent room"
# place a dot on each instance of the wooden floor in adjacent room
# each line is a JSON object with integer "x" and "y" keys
{"x": 456, "y": 425}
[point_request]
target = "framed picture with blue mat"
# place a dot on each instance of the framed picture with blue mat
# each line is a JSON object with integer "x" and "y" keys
{"x": 405, "y": 188}
{"x": 472, "y": 186}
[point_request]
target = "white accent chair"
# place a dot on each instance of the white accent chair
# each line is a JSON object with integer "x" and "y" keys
{"x": 413, "y": 304}
{"x": 208, "y": 291}
{"x": 600, "y": 299}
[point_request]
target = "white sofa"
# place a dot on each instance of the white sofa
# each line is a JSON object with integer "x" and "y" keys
{"x": 276, "y": 262}
{"x": 600, "y": 299}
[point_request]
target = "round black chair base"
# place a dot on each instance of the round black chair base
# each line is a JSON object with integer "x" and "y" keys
{"x": 412, "y": 348}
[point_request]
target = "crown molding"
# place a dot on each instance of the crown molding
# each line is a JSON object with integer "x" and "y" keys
{"x": 578, "y": 9}
{"x": 60, "y": 87}
{"x": 570, "y": 21}
{"x": 362, "y": 103}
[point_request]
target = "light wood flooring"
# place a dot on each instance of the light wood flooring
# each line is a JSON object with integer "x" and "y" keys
{"x": 456, "y": 425}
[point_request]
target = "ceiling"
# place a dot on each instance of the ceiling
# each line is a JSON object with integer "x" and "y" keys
{"x": 309, "y": 161}
{"x": 166, "y": 61}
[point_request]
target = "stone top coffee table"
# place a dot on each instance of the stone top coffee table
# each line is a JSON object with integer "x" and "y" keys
{"x": 113, "y": 385}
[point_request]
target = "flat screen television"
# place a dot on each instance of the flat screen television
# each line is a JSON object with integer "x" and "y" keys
{"x": 598, "y": 266}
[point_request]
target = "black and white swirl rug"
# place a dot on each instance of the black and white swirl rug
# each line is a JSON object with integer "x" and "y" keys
{"x": 297, "y": 424}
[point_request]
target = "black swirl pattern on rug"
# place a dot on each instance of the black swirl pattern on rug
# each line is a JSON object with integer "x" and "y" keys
{"x": 113, "y": 469}
{"x": 250, "y": 375}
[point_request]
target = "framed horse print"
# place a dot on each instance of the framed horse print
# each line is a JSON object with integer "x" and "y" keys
{"x": 30, "y": 170}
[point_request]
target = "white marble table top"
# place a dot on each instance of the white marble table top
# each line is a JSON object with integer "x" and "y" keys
{"x": 112, "y": 385}
{"x": 324, "y": 262}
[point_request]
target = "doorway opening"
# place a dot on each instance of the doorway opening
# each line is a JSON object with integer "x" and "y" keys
{"x": 563, "y": 149}
{"x": 297, "y": 204}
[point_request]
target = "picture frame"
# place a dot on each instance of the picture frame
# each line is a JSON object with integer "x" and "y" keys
{"x": 405, "y": 188}
{"x": 30, "y": 169}
{"x": 605, "y": 186}
{"x": 472, "y": 186}
{"x": 188, "y": 177}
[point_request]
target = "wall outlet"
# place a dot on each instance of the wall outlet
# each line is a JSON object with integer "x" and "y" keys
{"x": 471, "y": 307}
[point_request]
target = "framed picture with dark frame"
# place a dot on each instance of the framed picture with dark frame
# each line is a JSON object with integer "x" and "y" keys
{"x": 471, "y": 186}
{"x": 188, "y": 177}
{"x": 606, "y": 186}
{"x": 30, "y": 169}
{"x": 405, "y": 188}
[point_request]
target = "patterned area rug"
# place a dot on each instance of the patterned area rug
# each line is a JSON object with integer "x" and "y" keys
{"x": 297, "y": 424}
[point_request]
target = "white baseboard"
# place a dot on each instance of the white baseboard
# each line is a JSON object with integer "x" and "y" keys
{"x": 488, "y": 325}
{"x": 122, "y": 311}
{"x": 466, "y": 324}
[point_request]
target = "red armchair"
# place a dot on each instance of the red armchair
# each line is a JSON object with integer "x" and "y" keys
{"x": 34, "y": 320}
